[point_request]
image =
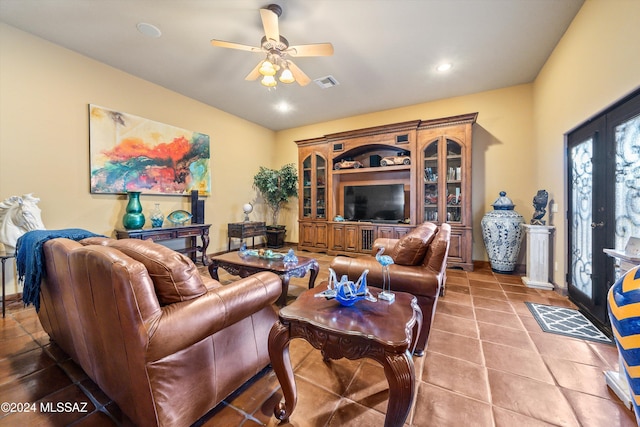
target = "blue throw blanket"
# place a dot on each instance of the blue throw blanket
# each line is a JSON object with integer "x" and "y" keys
{"x": 30, "y": 260}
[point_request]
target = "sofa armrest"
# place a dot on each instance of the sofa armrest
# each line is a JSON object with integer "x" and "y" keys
{"x": 383, "y": 242}
{"x": 182, "y": 324}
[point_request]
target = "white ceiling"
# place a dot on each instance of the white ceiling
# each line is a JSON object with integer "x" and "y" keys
{"x": 385, "y": 55}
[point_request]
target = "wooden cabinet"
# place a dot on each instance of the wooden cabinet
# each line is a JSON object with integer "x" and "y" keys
{"x": 392, "y": 232}
{"x": 313, "y": 197}
{"x": 444, "y": 188}
{"x": 352, "y": 238}
{"x": 313, "y": 235}
{"x": 428, "y": 162}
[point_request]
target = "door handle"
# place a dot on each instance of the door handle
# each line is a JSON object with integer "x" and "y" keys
{"x": 597, "y": 224}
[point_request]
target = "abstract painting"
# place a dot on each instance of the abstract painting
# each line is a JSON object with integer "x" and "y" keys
{"x": 130, "y": 153}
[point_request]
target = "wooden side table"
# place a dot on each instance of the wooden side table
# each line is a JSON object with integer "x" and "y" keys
{"x": 378, "y": 330}
{"x": 242, "y": 230}
{"x": 191, "y": 232}
{"x": 4, "y": 256}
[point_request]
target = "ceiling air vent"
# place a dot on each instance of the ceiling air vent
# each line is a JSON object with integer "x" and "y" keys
{"x": 326, "y": 82}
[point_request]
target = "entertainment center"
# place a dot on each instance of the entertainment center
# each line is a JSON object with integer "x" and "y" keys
{"x": 359, "y": 185}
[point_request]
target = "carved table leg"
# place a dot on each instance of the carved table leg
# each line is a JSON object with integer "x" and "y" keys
{"x": 315, "y": 268}
{"x": 213, "y": 270}
{"x": 282, "y": 301}
{"x": 205, "y": 245}
{"x": 281, "y": 364}
{"x": 400, "y": 373}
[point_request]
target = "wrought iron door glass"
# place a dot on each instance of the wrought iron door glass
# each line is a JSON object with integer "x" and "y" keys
{"x": 627, "y": 140}
{"x": 582, "y": 187}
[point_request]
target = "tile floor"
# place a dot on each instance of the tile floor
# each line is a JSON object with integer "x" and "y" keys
{"x": 488, "y": 363}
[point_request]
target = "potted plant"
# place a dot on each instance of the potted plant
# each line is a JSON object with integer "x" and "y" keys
{"x": 276, "y": 188}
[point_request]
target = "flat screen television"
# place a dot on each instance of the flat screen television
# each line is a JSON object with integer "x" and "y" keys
{"x": 375, "y": 203}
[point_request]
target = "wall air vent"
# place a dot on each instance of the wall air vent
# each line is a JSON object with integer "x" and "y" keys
{"x": 326, "y": 82}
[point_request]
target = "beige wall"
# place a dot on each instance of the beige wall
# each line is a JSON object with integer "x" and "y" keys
{"x": 502, "y": 134}
{"x": 44, "y": 147}
{"x": 596, "y": 63}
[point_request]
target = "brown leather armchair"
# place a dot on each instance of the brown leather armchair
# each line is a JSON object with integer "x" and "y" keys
{"x": 420, "y": 262}
{"x": 163, "y": 342}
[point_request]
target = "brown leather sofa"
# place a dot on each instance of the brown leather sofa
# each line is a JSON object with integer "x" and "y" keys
{"x": 163, "y": 342}
{"x": 420, "y": 262}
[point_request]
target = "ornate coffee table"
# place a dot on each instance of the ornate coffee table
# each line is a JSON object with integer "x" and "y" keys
{"x": 378, "y": 330}
{"x": 244, "y": 266}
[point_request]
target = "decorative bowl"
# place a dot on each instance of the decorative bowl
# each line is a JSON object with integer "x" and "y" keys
{"x": 179, "y": 217}
{"x": 261, "y": 253}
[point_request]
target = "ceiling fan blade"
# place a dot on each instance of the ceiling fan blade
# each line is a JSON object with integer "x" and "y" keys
{"x": 270, "y": 24}
{"x": 298, "y": 74}
{"x": 317, "y": 49}
{"x": 255, "y": 73}
{"x": 231, "y": 45}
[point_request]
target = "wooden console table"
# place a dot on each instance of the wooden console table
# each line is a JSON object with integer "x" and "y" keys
{"x": 242, "y": 230}
{"x": 190, "y": 232}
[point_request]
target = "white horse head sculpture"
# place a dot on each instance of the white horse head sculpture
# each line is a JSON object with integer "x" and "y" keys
{"x": 17, "y": 216}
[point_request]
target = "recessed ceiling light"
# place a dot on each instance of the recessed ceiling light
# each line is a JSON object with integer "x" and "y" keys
{"x": 283, "y": 107}
{"x": 443, "y": 67}
{"x": 149, "y": 30}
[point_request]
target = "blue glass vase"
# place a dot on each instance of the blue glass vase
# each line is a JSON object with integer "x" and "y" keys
{"x": 134, "y": 218}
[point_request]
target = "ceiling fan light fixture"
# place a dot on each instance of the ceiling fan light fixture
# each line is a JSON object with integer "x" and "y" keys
{"x": 268, "y": 81}
{"x": 267, "y": 68}
{"x": 286, "y": 76}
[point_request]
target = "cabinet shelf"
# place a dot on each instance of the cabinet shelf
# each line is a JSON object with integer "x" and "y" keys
{"x": 377, "y": 169}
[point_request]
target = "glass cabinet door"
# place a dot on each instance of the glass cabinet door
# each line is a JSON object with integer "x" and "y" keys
{"x": 321, "y": 181}
{"x": 306, "y": 187}
{"x": 431, "y": 182}
{"x": 314, "y": 184}
{"x": 454, "y": 181}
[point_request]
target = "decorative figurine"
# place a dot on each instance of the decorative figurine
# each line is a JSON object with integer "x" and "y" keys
{"x": 247, "y": 208}
{"x": 345, "y": 291}
{"x": 540, "y": 204}
{"x": 17, "y": 216}
{"x": 290, "y": 258}
{"x": 385, "y": 261}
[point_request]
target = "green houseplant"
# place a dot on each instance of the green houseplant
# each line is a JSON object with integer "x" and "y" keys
{"x": 276, "y": 188}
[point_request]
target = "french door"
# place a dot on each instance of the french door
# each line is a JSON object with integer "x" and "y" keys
{"x": 603, "y": 191}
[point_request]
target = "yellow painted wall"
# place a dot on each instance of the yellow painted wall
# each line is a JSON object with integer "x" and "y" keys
{"x": 502, "y": 147}
{"x": 44, "y": 137}
{"x": 596, "y": 63}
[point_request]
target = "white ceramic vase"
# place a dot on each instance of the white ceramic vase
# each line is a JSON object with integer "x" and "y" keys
{"x": 502, "y": 234}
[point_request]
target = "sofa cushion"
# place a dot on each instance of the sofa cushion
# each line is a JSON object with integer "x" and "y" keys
{"x": 412, "y": 247}
{"x": 175, "y": 277}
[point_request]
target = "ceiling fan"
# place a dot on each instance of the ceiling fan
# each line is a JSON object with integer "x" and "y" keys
{"x": 277, "y": 51}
